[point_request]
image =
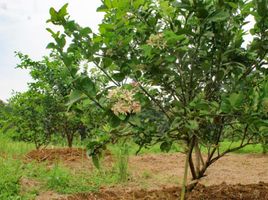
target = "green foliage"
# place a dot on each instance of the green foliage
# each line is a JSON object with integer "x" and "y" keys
{"x": 32, "y": 117}
{"x": 58, "y": 179}
{"x": 10, "y": 179}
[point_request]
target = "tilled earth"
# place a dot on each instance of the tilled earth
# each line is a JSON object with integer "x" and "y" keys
{"x": 217, "y": 192}
{"x": 157, "y": 176}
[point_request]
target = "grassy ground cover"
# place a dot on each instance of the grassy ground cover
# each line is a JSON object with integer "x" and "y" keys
{"x": 61, "y": 179}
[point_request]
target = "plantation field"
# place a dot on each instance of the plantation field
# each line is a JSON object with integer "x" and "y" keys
{"x": 166, "y": 99}
{"x": 63, "y": 173}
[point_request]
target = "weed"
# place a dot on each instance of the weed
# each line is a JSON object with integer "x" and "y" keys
{"x": 122, "y": 162}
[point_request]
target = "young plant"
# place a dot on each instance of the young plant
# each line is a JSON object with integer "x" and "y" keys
{"x": 122, "y": 162}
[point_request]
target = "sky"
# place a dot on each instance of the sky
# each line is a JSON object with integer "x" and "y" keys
{"x": 23, "y": 28}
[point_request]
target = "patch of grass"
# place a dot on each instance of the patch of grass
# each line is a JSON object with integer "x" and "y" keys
{"x": 64, "y": 181}
{"x": 146, "y": 175}
{"x": 121, "y": 165}
{"x": 58, "y": 179}
{"x": 256, "y": 148}
{"x": 10, "y": 174}
{"x": 9, "y": 147}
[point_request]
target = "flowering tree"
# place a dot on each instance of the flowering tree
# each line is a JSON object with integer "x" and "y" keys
{"x": 187, "y": 59}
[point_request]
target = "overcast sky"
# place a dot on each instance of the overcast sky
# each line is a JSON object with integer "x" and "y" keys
{"x": 23, "y": 28}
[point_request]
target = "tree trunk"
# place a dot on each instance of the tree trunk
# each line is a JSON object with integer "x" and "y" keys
{"x": 190, "y": 158}
{"x": 184, "y": 181}
{"x": 69, "y": 139}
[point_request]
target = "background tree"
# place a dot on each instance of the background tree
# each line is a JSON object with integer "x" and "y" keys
{"x": 50, "y": 76}
{"x": 32, "y": 117}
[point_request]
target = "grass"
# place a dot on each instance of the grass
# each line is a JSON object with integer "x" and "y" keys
{"x": 10, "y": 174}
{"x": 121, "y": 165}
{"x": 56, "y": 178}
{"x": 9, "y": 148}
{"x": 256, "y": 148}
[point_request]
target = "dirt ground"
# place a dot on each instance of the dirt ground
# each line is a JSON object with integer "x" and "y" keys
{"x": 157, "y": 176}
{"x": 218, "y": 192}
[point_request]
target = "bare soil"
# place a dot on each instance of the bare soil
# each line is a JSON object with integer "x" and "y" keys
{"x": 157, "y": 176}
{"x": 201, "y": 192}
{"x": 74, "y": 158}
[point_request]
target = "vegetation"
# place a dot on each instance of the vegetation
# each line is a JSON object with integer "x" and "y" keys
{"x": 159, "y": 72}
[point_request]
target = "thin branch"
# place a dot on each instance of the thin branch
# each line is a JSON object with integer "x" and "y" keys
{"x": 155, "y": 101}
{"x": 106, "y": 73}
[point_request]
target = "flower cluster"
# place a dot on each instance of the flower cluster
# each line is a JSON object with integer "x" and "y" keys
{"x": 157, "y": 41}
{"x": 124, "y": 102}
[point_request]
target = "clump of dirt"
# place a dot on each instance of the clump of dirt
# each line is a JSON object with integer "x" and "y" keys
{"x": 52, "y": 155}
{"x": 73, "y": 158}
{"x": 219, "y": 192}
{"x": 27, "y": 184}
{"x": 50, "y": 195}
{"x": 231, "y": 192}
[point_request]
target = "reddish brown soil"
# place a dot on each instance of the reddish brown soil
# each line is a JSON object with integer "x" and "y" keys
{"x": 157, "y": 176}
{"x": 219, "y": 192}
{"x": 74, "y": 158}
{"x": 65, "y": 154}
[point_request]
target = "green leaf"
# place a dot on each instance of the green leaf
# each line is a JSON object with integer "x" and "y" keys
{"x": 53, "y": 14}
{"x": 102, "y": 8}
{"x": 265, "y": 89}
{"x": 75, "y": 96}
{"x": 96, "y": 161}
{"x": 85, "y": 84}
{"x": 262, "y": 7}
{"x": 173, "y": 38}
{"x": 63, "y": 11}
{"x": 232, "y": 4}
{"x": 225, "y": 106}
{"x": 108, "y": 3}
{"x": 147, "y": 50}
{"x": 114, "y": 120}
{"x": 119, "y": 77}
{"x": 219, "y": 16}
{"x": 51, "y": 45}
{"x": 138, "y": 3}
{"x": 166, "y": 8}
{"x": 236, "y": 99}
{"x": 85, "y": 31}
{"x": 61, "y": 41}
{"x": 106, "y": 62}
{"x": 122, "y": 117}
{"x": 193, "y": 125}
{"x": 170, "y": 58}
